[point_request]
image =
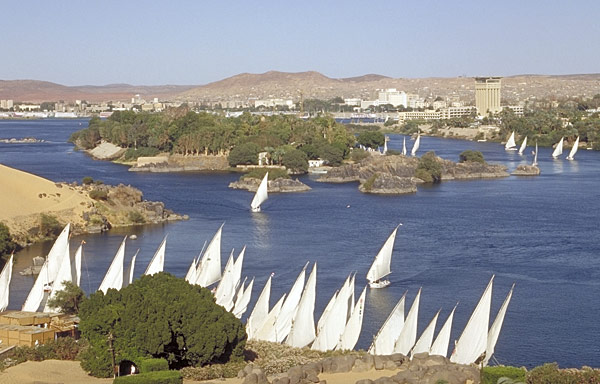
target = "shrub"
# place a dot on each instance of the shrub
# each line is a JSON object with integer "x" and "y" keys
{"x": 213, "y": 371}
{"x": 151, "y": 365}
{"x": 471, "y": 156}
{"x": 131, "y": 154}
{"x": 368, "y": 185}
{"x": 371, "y": 139}
{"x": 87, "y": 180}
{"x": 274, "y": 173}
{"x": 246, "y": 153}
{"x": 49, "y": 226}
{"x": 98, "y": 194}
{"x": 68, "y": 300}
{"x": 429, "y": 168}
{"x": 63, "y": 348}
{"x": 295, "y": 160}
{"x": 158, "y": 377}
{"x": 332, "y": 154}
{"x": 550, "y": 374}
{"x": 358, "y": 155}
{"x": 7, "y": 245}
{"x": 136, "y": 217}
{"x": 98, "y": 182}
{"x": 491, "y": 375}
{"x": 391, "y": 152}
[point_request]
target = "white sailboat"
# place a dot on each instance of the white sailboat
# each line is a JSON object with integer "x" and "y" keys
{"x": 424, "y": 342}
{"x": 5, "y": 277}
{"x": 404, "y": 146}
{"x": 77, "y": 264}
{"x": 415, "y": 147}
{"x": 288, "y": 311}
{"x": 226, "y": 289}
{"x": 209, "y": 267}
{"x": 574, "y": 149}
{"x": 241, "y": 303}
{"x": 408, "y": 335}
{"x": 157, "y": 263}
{"x": 303, "y": 331}
{"x": 65, "y": 273}
{"x": 535, "y": 156}
{"x": 473, "y": 341}
{"x": 381, "y": 265}
{"x": 261, "y": 309}
{"x": 327, "y": 310}
{"x": 331, "y": 328}
{"x": 268, "y": 331}
{"x": 114, "y": 275}
{"x": 523, "y": 146}
{"x": 510, "y": 143}
{"x": 496, "y": 327}
{"x": 261, "y": 194}
{"x": 440, "y": 345}
{"x": 352, "y": 331}
{"x": 383, "y": 343}
{"x": 559, "y": 149}
{"x": 128, "y": 278}
{"x": 48, "y": 272}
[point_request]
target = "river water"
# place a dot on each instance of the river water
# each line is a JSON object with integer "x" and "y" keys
{"x": 538, "y": 232}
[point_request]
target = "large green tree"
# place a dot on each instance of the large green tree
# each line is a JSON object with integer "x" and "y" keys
{"x": 158, "y": 316}
{"x": 371, "y": 139}
{"x": 7, "y": 245}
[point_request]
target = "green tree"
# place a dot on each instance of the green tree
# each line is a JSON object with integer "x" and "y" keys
{"x": 7, "y": 245}
{"x": 429, "y": 168}
{"x": 49, "y": 226}
{"x": 246, "y": 153}
{"x": 68, "y": 300}
{"x": 158, "y": 316}
{"x": 296, "y": 161}
{"x": 371, "y": 139}
{"x": 471, "y": 156}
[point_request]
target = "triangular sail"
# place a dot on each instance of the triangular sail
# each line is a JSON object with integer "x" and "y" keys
{"x": 327, "y": 310}
{"x": 381, "y": 265}
{"x": 424, "y": 342}
{"x": 226, "y": 287}
{"x": 241, "y": 304}
{"x": 65, "y": 273}
{"x": 404, "y": 146}
{"x": 383, "y": 343}
{"x": 157, "y": 263}
{"x": 303, "y": 332}
{"x": 259, "y": 313}
{"x": 288, "y": 311}
{"x": 332, "y": 328}
{"x": 496, "y": 327}
{"x": 268, "y": 331}
{"x": 352, "y": 331}
{"x": 440, "y": 345}
{"x": 128, "y": 278}
{"x": 5, "y": 277}
{"x": 535, "y": 156}
{"x": 510, "y": 143}
{"x": 523, "y": 146}
{"x": 190, "y": 276}
{"x": 209, "y": 267}
{"x": 408, "y": 335}
{"x": 473, "y": 341}
{"x": 559, "y": 148}
{"x": 77, "y": 264}
{"x": 261, "y": 194}
{"x": 114, "y": 275}
{"x": 415, "y": 147}
{"x": 48, "y": 271}
{"x": 574, "y": 149}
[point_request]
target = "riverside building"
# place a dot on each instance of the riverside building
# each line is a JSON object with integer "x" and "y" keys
{"x": 487, "y": 95}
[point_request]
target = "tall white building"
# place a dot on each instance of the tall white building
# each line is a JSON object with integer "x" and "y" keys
{"x": 487, "y": 95}
{"x": 392, "y": 96}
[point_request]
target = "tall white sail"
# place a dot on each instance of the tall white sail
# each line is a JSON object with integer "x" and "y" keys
{"x": 48, "y": 271}
{"x": 408, "y": 335}
{"x": 259, "y": 313}
{"x": 523, "y": 146}
{"x": 383, "y": 343}
{"x": 5, "y": 277}
{"x": 303, "y": 332}
{"x": 424, "y": 342}
{"x": 268, "y": 331}
{"x": 559, "y": 148}
{"x": 415, "y": 147}
{"x": 209, "y": 267}
{"x": 288, "y": 311}
{"x": 574, "y": 149}
{"x": 496, "y": 327}
{"x": 327, "y": 310}
{"x": 114, "y": 275}
{"x": 473, "y": 341}
{"x": 440, "y": 345}
{"x": 511, "y": 145}
{"x": 381, "y": 265}
{"x": 226, "y": 287}
{"x": 65, "y": 273}
{"x": 241, "y": 304}
{"x": 157, "y": 263}
{"x": 190, "y": 276}
{"x": 535, "y": 156}
{"x": 352, "y": 331}
{"x": 261, "y": 194}
{"x": 128, "y": 278}
{"x": 237, "y": 268}
{"x": 77, "y": 264}
{"x": 404, "y": 146}
{"x": 331, "y": 330}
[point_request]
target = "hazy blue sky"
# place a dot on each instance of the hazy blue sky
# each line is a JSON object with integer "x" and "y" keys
{"x": 197, "y": 42}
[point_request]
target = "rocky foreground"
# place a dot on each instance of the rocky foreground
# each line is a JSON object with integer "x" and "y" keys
{"x": 395, "y": 174}
{"x": 278, "y": 185}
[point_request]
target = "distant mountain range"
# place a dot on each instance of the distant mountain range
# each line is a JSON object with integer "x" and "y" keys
{"x": 274, "y": 84}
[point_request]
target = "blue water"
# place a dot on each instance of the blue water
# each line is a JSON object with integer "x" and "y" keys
{"x": 538, "y": 232}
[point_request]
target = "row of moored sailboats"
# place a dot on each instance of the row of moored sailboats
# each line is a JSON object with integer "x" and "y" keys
{"x": 558, "y": 149}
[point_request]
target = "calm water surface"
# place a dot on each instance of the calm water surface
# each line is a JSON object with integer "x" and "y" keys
{"x": 538, "y": 232}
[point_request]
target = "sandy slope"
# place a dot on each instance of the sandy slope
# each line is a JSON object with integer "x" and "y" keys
{"x": 24, "y": 196}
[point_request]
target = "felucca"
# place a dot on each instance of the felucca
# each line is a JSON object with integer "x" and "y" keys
{"x": 5, "y": 277}
{"x": 559, "y": 149}
{"x": 157, "y": 263}
{"x": 415, "y": 147}
{"x": 523, "y": 146}
{"x": 261, "y": 194}
{"x": 383, "y": 342}
{"x": 303, "y": 331}
{"x": 208, "y": 269}
{"x": 404, "y": 146}
{"x": 114, "y": 275}
{"x": 381, "y": 265}
{"x": 496, "y": 327}
{"x": 574, "y": 149}
{"x": 535, "y": 156}
{"x": 510, "y": 143}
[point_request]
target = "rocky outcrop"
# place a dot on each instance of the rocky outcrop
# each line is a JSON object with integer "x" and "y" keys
{"x": 526, "y": 170}
{"x": 181, "y": 163}
{"x": 278, "y": 185}
{"x": 394, "y": 174}
{"x": 106, "y": 151}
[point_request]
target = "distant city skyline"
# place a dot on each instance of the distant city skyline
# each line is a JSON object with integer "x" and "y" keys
{"x": 195, "y": 42}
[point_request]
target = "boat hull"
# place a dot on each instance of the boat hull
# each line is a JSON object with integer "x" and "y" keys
{"x": 379, "y": 284}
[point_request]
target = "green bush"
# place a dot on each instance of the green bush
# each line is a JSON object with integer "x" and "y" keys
{"x": 393, "y": 152}
{"x": 358, "y": 155}
{"x": 63, "y": 348}
{"x": 98, "y": 194}
{"x": 295, "y": 160}
{"x": 213, "y": 371}
{"x": 131, "y": 154}
{"x": 68, "y": 300}
{"x": 471, "y": 156}
{"x": 136, "y": 217}
{"x": 550, "y": 374}
{"x": 158, "y": 377}
{"x": 490, "y": 375}
{"x": 7, "y": 245}
{"x": 49, "y": 226}
{"x": 274, "y": 173}
{"x": 152, "y": 365}
{"x": 244, "y": 154}
{"x": 98, "y": 182}
{"x": 371, "y": 139}
{"x": 87, "y": 180}
{"x": 368, "y": 185}
{"x": 429, "y": 168}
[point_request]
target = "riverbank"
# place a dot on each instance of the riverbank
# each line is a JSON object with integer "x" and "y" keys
{"x": 92, "y": 208}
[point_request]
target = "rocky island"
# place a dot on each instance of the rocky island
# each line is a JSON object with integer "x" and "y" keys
{"x": 279, "y": 181}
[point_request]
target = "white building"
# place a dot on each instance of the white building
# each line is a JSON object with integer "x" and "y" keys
{"x": 392, "y": 96}
{"x": 352, "y": 102}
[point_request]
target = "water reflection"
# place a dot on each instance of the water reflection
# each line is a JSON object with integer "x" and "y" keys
{"x": 261, "y": 230}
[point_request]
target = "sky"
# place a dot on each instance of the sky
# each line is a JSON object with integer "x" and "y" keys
{"x": 198, "y": 42}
